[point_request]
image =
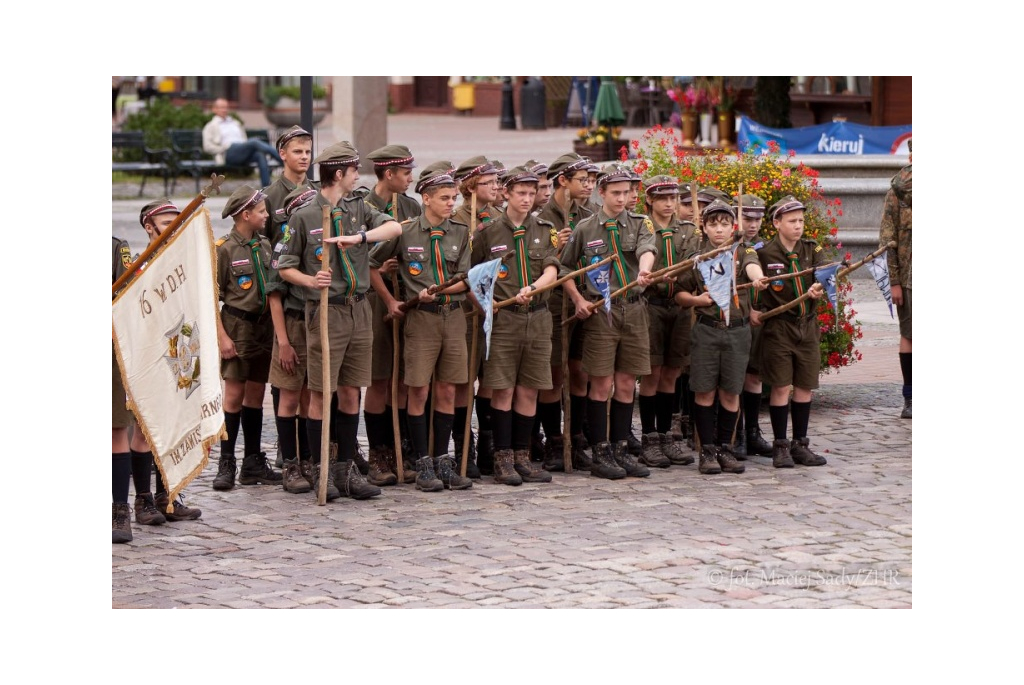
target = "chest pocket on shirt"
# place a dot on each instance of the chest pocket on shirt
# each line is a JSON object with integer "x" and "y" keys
{"x": 246, "y": 269}
{"x": 451, "y": 256}
{"x": 596, "y": 250}
{"x": 629, "y": 236}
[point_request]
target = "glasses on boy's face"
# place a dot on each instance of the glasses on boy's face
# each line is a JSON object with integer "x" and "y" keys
{"x": 487, "y": 183}
{"x": 580, "y": 179}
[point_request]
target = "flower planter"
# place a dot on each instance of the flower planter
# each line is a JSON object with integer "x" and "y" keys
{"x": 288, "y": 112}
{"x": 601, "y": 152}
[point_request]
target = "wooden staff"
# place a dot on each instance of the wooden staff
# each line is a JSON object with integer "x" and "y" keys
{"x": 395, "y": 427}
{"x": 566, "y": 401}
{"x": 696, "y": 206}
{"x": 189, "y": 210}
{"x": 475, "y": 322}
{"x": 783, "y": 277}
{"x": 839, "y": 274}
{"x": 325, "y": 369}
{"x": 554, "y": 284}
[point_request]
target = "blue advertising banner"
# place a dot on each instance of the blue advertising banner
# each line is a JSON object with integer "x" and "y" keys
{"x": 837, "y": 138}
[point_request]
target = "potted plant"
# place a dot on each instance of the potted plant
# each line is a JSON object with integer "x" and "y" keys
{"x": 281, "y": 104}
{"x": 723, "y": 98}
{"x": 599, "y": 143}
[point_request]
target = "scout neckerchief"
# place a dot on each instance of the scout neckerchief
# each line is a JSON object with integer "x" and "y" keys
{"x": 519, "y": 235}
{"x": 436, "y": 234}
{"x": 798, "y": 282}
{"x": 670, "y": 258}
{"x": 613, "y": 233}
{"x": 346, "y": 266}
{"x": 257, "y": 260}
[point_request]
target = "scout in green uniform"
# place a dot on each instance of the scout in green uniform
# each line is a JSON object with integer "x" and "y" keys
{"x": 897, "y": 224}
{"x": 432, "y": 250}
{"x": 502, "y": 172}
{"x": 353, "y": 225}
{"x": 749, "y": 439}
{"x": 682, "y": 421}
{"x": 519, "y": 362}
{"x": 296, "y": 149}
{"x": 720, "y": 348}
{"x": 790, "y": 352}
{"x": 121, "y": 458}
{"x": 288, "y": 369}
{"x": 670, "y": 327}
{"x": 393, "y": 165}
{"x": 618, "y": 351}
{"x": 245, "y": 337}
{"x": 544, "y": 185}
{"x": 591, "y": 204}
{"x": 475, "y": 176}
{"x": 564, "y": 211}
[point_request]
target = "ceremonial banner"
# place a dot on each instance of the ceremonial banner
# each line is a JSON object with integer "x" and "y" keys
{"x": 827, "y": 277}
{"x": 165, "y": 335}
{"x": 600, "y": 278}
{"x": 879, "y": 268}
{"x": 482, "y": 278}
{"x": 835, "y": 138}
{"x": 717, "y": 273}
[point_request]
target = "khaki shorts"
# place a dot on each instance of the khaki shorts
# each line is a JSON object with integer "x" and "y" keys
{"x": 903, "y": 311}
{"x": 383, "y": 338}
{"x": 754, "y": 365}
{"x": 122, "y": 417}
{"x": 719, "y": 358}
{"x": 476, "y": 364}
{"x": 351, "y": 339}
{"x": 435, "y": 346}
{"x": 624, "y": 346}
{"x": 790, "y": 352}
{"x": 555, "y": 307}
{"x": 295, "y": 329}
{"x": 254, "y": 343}
{"x": 520, "y": 350}
{"x": 669, "y": 334}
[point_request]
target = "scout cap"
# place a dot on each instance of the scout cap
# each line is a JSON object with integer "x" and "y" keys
{"x": 661, "y": 185}
{"x": 159, "y": 206}
{"x": 684, "y": 189}
{"x": 297, "y": 199}
{"x": 537, "y": 167}
{"x": 717, "y": 207}
{"x": 339, "y": 153}
{"x": 567, "y": 164}
{"x": 753, "y": 206}
{"x": 474, "y": 166}
{"x": 499, "y": 169}
{"x": 434, "y": 178}
{"x": 613, "y": 173}
{"x": 519, "y": 174}
{"x": 786, "y": 204}
{"x": 709, "y": 194}
{"x": 245, "y": 197}
{"x": 443, "y": 165}
{"x": 392, "y": 156}
{"x": 293, "y": 132}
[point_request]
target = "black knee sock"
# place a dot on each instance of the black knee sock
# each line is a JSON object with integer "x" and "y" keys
{"x": 648, "y": 413}
{"x": 522, "y": 431}
{"x": 484, "y": 413}
{"x": 704, "y": 420}
{"x": 314, "y": 434}
{"x": 577, "y": 406}
{"x": 621, "y": 419}
{"x": 348, "y": 429}
{"x": 142, "y": 471}
{"x": 121, "y": 476}
{"x": 232, "y": 419}
{"x": 905, "y": 367}
{"x": 252, "y": 429}
{"x": 597, "y": 421}
{"x": 664, "y": 403}
{"x": 677, "y": 396}
{"x": 304, "y": 451}
{"x": 442, "y": 433}
{"x": 286, "y": 426}
{"x": 275, "y": 394}
{"x": 403, "y": 423}
{"x": 550, "y": 416}
{"x": 501, "y": 425}
{"x": 801, "y": 412}
{"x": 726, "y": 425}
{"x": 780, "y": 420}
{"x": 751, "y": 408}
{"x": 459, "y": 419}
{"x": 376, "y": 429}
{"x": 389, "y": 426}
{"x": 418, "y": 436}
{"x": 161, "y": 487}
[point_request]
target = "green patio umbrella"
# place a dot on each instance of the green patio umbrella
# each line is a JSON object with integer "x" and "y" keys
{"x": 608, "y": 109}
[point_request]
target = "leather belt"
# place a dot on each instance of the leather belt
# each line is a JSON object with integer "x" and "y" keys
{"x": 346, "y": 300}
{"x": 435, "y": 308}
{"x": 251, "y": 317}
{"x": 715, "y": 323}
{"x": 295, "y": 313}
{"x": 528, "y": 308}
{"x": 662, "y": 301}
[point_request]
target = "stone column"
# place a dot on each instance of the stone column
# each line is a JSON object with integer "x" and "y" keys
{"x": 359, "y": 114}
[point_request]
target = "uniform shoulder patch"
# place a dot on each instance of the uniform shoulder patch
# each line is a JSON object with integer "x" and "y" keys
{"x": 751, "y": 250}
{"x": 408, "y": 221}
{"x": 221, "y": 241}
{"x": 817, "y": 248}
{"x": 545, "y": 222}
{"x": 649, "y": 225}
{"x": 126, "y": 255}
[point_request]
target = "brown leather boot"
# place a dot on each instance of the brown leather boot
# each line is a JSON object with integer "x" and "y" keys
{"x": 179, "y": 512}
{"x": 146, "y": 512}
{"x": 653, "y": 455}
{"x": 628, "y": 461}
{"x": 447, "y": 469}
{"x": 527, "y": 470}
{"x": 332, "y": 490}
{"x": 781, "y": 458}
{"x": 121, "y": 523}
{"x": 505, "y": 469}
{"x": 553, "y": 458}
{"x": 379, "y": 472}
{"x": 671, "y": 450}
{"x": 708, "y": 464}
{"x": 293, "y": 480}
{"x": 603, "y": 464}
{"x": 728, "y": 461}
{"x": 802, "y": 454}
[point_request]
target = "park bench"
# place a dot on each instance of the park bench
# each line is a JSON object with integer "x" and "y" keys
{"x": 130, "y": 154}
{"x": 189, "y": 158}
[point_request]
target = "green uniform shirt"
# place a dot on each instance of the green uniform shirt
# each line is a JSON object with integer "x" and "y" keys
{"x": 591, "y": 242}
{"x": 242, "y": 275}
{"x": 416, "y": 257}
{"x": 304, "y": 247}
{"x": 685, "y": 239}
{"x": 776, "y": 260}
{"x": 276, "y": 192}
{"x": 497, "y": 240}
{"x": 739, "y": 307}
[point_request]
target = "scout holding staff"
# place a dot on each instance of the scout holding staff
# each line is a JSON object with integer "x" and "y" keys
{"x": 720, "y": 347}
{"x": 670, "y": 327}
{"x": 392, "y": 165}
{"x": 790, "y": 352}
{"x": 682, "y": 423}
{"x": 616, "y": 351}
{"x": 245, "y": 335}
{"x": 432, "y": 250}
{"x": 477, "y": 181}
{"x": 897, "y": 227}
{"x": 564, "y": 211}
{"x": 353, "y": 224}
{"x": 519, "y": 362}
{"x": 544, "y": 184}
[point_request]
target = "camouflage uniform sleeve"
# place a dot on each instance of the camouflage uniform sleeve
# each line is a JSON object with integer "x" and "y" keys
{"x": 889, "y": 231}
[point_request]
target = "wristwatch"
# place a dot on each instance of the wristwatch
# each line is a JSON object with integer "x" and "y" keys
{"x": 362, "y": 234}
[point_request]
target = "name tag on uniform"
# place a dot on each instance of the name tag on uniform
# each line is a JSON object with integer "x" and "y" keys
{"x": 596, "y": 243}
{"x": 316, "y": 231}
{"x": 499, "y": 248}
{"x": 776, "y": 266}
{"x": 414, "y": 249}
{"x": 240, "y": 262}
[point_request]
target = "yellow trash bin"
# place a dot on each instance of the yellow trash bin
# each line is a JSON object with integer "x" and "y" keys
{"x": 463, "y": 96}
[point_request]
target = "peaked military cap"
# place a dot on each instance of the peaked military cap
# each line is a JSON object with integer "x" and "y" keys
{"x": 159, "y": 206}
{"x": 297, "y": 199}
{"x": 613, "y": 173}
{"x": 661, "y": 185}
{"x": 567, "y": 164}
{"x": 519, "y": 174}
{"x": 339, "y": 153}
{"x": 717, "y": 207}
{"x": 392, "y": 156}
{"x": 753, "y": 206}
{"x": 536, "y": 167}
{"x": 293, "y": 132}
{"x": 474, "y": 166}
{"x": 434, "y": 176}
{"x": 245, "y": 197}
{"x": 786, "y": 204}
{"x": 709, "y": 194}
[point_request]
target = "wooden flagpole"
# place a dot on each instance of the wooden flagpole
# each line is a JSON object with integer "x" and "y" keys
{"x": 395, "y": 331}
{"x": 325, "y": 369}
